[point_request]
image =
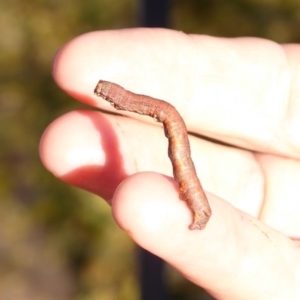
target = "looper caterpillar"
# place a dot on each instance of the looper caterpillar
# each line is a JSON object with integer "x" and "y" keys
{"x": 190, "y": 189}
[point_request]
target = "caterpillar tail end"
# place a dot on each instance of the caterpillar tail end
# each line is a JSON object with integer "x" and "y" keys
{"x": 200, "y": 221}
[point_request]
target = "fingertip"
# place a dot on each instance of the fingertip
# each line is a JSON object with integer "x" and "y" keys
{"x": 148, "y": 207}
{"x": 69, "y": 142}
{"x": 82, "y": 148}
{"x": 52, "y": 148}
{"x": 83, "y": 61}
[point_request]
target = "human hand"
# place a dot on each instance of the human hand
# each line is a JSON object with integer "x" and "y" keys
{"x": 243, "y": 94}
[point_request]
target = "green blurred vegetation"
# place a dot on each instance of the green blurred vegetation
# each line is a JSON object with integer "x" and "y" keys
{"x": 58, "y": 242}
{"x": 277, "y": 20}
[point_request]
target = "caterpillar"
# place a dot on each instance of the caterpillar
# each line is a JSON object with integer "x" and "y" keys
{"x": 190, "y": 189}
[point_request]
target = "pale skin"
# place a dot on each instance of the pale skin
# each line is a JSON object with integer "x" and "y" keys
{"x": 244, "y": 94}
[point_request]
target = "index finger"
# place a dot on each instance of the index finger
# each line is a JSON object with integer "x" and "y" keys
{"x": 239, "y": 91}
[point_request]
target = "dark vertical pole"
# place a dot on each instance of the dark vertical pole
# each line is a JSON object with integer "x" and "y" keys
{"x": 152, "y": 281}
{"x": 153, "y": 13}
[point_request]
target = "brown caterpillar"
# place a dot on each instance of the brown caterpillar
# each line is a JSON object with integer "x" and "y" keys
{"x": 179, "y": 147}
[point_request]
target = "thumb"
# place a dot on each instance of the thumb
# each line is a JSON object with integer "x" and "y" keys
{"x": 234, "y": 257}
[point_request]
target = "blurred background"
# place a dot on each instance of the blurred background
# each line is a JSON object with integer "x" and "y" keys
{"x": 56, "y": 241}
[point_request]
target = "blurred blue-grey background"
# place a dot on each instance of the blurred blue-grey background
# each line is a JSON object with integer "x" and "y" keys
{"x": 56, "y": 241}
